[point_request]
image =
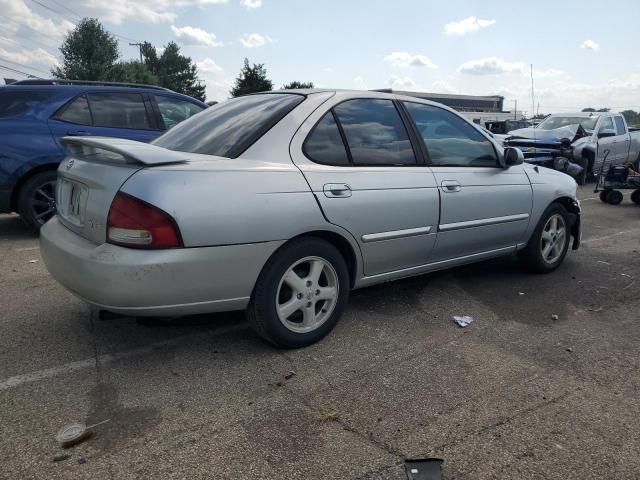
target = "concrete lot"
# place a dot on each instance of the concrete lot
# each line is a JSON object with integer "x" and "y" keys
{"x": 515, "y": 395}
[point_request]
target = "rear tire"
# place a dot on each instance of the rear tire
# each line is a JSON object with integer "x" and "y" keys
{"x": 549, "y": 243}
{"x": 603, "y": 195}
{"x": 614, "y": 197}
{"x": 37, "y": 199}
{"x": 300, "y": 294}
{"x": 635, "y": 197}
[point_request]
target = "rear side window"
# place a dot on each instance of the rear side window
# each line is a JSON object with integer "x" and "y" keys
{"x": 450, "y": 140}
{"x": 620, "y": 125}
{"x": 229, "y": 128}
{"x": 375, "y": 133}
{"x": 76, "y": 112}
{"x": 324, "y": 144}
{"x": 174, "y": 110}
{"x": 119, "y": 110}
{"x": 16, "y": 102}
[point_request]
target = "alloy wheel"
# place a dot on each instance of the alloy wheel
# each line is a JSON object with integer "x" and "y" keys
{"x": 553, "y": 238}
{"x": 42, "y": 202}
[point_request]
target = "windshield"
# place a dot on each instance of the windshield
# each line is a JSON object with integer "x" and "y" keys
{"x": 549, "y": 123}
{"x": 229, "y": 128}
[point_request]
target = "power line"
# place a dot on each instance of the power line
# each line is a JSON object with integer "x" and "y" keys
{"x": 23, "y": 66}
{"x": 73, "y": 12}
{"x": 18, "y": 71}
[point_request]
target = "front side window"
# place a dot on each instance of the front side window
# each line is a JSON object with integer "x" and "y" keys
{"x": 450, "y": 140}
{"x": 375, "y": 133}
{"x": 620, "y": 125}
{"x": 324, "y": 143}
{"x": 607, "y": 125}
{"x": 174, "y": 110}
{"x": 229, "y": 128}
{"x": 119, "y": 110}
{"x": 76, "y": 112}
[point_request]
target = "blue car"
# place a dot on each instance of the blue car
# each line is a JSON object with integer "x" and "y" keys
{"x": 36, "y": 114}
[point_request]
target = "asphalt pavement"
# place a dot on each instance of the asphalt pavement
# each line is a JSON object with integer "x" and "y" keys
{"x": 544, "y": 384}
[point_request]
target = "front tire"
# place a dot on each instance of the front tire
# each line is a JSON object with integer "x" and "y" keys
{"x": 635, "y": 197}
{"x": 614, "y": 197}
{"x": 549, "y": 243}
{"x": 300, "y": 294}
{"x": 37, "y": 199}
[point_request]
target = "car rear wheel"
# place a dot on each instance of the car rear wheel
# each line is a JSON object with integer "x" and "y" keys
{"x": 603, "y": 195}
{"x": 549, "y": 243}
{"x": 635, "y": 197}
{"x": 300, "y": 293}
{"x": 614, "y": 197}
{"x": 37, "y": 199}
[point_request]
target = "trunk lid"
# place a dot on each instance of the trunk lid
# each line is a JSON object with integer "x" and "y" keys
{"x": 92, "y": 174}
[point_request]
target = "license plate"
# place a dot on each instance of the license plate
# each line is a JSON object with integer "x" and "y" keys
{"x": 72, "y": 198}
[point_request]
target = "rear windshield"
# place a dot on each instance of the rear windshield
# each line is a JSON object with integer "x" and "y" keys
{"x": 229, "y": 128}
{"x": 15, "y": 102}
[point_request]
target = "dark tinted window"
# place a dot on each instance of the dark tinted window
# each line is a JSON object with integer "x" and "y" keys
{"x": 450, "y": 140}
{"x": 174, "y": 110}
{"x": 14, "y": 102}
{"x": 229, "y": 128}
{"x": 77, "y": 112}
{"x": 324, "y": 143}
{"x": 119, "y": 110}
{"x": 620, "y": 125}
{"x": 375, "y": 133}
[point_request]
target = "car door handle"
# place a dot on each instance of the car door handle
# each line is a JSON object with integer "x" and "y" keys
{"x": 79, "y": 133}
{"x": 451, "y": 186}
{"x": 337, "y": 190}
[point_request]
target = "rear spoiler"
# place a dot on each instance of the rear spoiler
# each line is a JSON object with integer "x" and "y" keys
{"x": 130, "y": 150}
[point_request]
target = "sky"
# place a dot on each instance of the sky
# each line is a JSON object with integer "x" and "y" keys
{"x": 584, "y": 53}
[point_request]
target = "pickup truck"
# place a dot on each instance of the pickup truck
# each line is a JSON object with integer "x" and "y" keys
{"x": 578, "y": 139}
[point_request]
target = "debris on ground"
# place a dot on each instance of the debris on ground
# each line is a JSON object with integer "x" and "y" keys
{"x": 463, "y": 320}
{"x": 427, "y": 469}
{"x": 593, "y": 309}
{"x": 330, "y": 416}
{"x": 76, "y": 433}
{"x": 61, "y": 457}
{"x": 290, "y": 375}
{"x": 520, "y": 293}
{"x": 554, "y": 317}
{"x": 82, "y": 460}
{"x": 33, "y": 261}
{"x": 569, "y": 349}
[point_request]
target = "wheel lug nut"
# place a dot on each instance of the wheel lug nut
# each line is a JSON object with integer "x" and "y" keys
{"x": 317, "y": 292}
{"x": 299, "y": 296}
{"x": 308, "y": 304}
{"x": 308, "y": 283}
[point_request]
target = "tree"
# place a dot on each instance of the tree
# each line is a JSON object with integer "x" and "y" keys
{"x": 88, "y": 52}
{"x": 589, "y": 109}
{"x": 173, "y": 70}
{"x": 131, "y": 72}
{"x": 296, "y": 84}
{"x": 632, "y": 117}
{"x": 603, "y": 109}
{"x": 251, "y": 80}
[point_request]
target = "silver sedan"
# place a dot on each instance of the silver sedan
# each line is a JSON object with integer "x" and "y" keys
{"x": 281, "y": 203}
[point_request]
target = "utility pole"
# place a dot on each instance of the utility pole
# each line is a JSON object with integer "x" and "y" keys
{"x": 139, "y": 45}
{"x": 515, "y": 110}
{"x": 533, "y": 101}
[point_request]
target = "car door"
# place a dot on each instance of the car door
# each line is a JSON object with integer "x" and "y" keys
{"x": 623, "y": 141}
{"x": 607, "y": 143}
{"x": 361, "y": 165}
{"x": 106, "y": 114}
{"x": 484, "y": 208}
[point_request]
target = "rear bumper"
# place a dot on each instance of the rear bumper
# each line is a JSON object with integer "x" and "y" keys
{"x": 153, "y": 282}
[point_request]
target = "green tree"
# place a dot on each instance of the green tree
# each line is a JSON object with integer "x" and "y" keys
{"x": 296, "y": 85}
{"x": 589, "y": 109}
{"x": 251, "y": 80}
{"x": 173, "y": 70}
{"x": 88, "y": 52}
{"x": 605, "y": 109}
{"x": 632, "y": 117}
{"x": 131, "y": 72}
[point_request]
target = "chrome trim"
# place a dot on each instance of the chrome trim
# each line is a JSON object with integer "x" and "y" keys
{"x": 447, "y": 227}
{"x": 409, "y": 232}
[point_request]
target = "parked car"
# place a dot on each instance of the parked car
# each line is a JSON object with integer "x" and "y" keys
{"x": 283, "y": 202}
{"x": 582, "y": 138}
{"x": 36, "y": 114}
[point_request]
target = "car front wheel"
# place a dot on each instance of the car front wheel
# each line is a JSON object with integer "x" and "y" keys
{"x": 300, "y": 293}
{"x": 549, "y": 243}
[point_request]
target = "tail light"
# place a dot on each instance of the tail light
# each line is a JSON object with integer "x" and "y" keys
{"x": 136, "y": 224}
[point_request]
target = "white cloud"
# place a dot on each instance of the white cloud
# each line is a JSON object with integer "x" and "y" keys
{"x": 254, "y": 40}
{"x": 402, "y": 83}
{"x": 195, "y": 36}
{"x": 406, "y": 59}
{"x": 467, "y": 25}
{"x": 16, "y": 14}
{"x": 590, "y": 45}
{"x": 491, "y": 66}
{"x": 441, "y": 86}
{"x": 359, "y": 83}
{"x": 328, "y": 69}
{"x": 251, "y": 4}
{"x": 548, "y": 73}
{"x": 28, "y": 57}
{"x": 208, "y": 65}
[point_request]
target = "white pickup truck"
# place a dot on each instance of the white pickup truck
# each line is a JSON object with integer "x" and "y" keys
{"x": 582, "y": 138}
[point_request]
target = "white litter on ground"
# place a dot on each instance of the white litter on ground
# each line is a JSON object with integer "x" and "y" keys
{"x": 463, "y": 320}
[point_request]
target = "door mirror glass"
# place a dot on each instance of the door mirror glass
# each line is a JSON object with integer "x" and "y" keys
{"x": 512, "y": 156}
{"x": 604, "y": 133}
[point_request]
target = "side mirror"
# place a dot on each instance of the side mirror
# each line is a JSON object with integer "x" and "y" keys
{"x": 512, "y": 156}
{"x": 606, "y": 133}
